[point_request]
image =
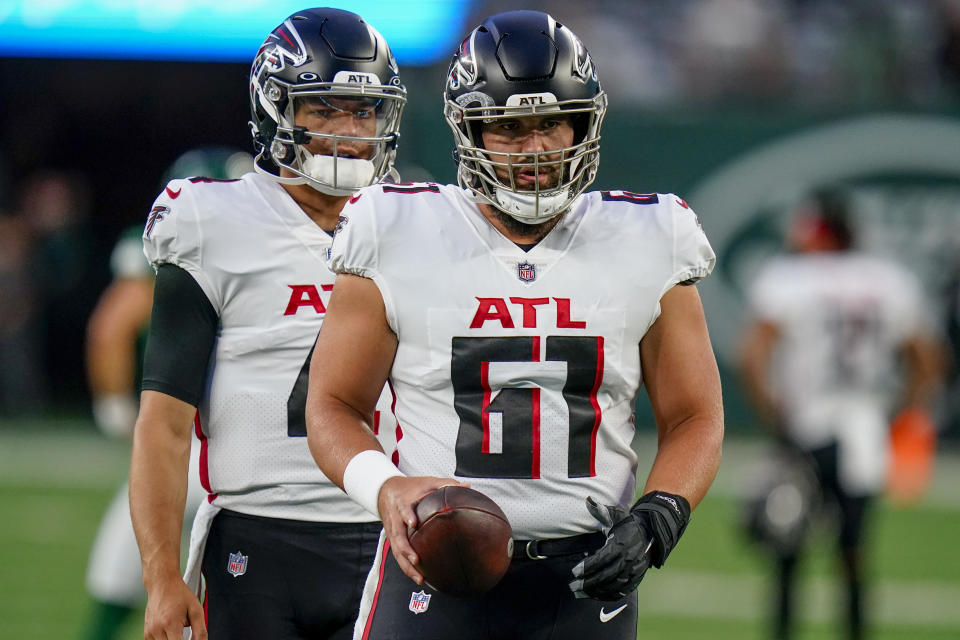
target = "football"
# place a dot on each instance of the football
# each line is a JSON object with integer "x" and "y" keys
{"x": 463, "y": 540}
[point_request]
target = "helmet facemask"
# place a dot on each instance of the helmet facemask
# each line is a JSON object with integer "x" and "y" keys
{"x": 572, "y": 168}
{"x": 331, "y": 162}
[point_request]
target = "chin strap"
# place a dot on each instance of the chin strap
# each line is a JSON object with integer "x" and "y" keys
{"x": 351, "y": 174}
{"x": 347, "y": 174}
{"x": 528, "y": 208}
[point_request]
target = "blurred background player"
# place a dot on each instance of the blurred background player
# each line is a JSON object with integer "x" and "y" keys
{"x": 114, "y": 348}
{"x": 240, "y": 295}
{"x": 821, "y": 359}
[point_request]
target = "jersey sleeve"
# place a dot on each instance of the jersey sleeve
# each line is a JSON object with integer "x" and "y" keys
{"x": 355, "y": 242}
{"x": 173, "y": 234}
{"x": 693, "y": 257}
{"x": 181, "y": 338}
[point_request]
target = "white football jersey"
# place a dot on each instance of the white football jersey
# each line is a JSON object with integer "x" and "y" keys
{"x": 842, "y": 319}
{"x": 516, "y": 371}
{"x": 261, "y": 261}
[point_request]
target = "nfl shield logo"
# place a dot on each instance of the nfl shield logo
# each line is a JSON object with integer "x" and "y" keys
{"x": 419, "y": 602}
{"x": 237, "y": 565}
{"x": 526, "y": 272}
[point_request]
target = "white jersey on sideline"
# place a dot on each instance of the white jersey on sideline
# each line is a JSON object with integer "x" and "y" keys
{"x": 518, "y": 371}
{"x": 842, "y": 317}
{"x": 261, "y": 261}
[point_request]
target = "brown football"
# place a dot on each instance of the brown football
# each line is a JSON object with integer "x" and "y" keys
{"x": 464, "y": 541}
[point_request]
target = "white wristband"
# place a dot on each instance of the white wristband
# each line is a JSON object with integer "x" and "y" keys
{"x": 365, "y": 474}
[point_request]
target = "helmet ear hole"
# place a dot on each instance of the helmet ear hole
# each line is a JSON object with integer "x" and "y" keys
{"x": 264, "y": 130}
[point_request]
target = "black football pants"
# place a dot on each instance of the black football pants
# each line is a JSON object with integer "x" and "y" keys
{"x": 290, "y": 580}
{"x": 532, "y": 602}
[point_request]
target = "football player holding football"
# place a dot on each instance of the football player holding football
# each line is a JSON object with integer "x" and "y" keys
{"x": 516, "y": 316}
{"x": 241, "y": 290}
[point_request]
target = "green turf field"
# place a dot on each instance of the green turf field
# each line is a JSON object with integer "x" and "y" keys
{"x": 55, "y": 484}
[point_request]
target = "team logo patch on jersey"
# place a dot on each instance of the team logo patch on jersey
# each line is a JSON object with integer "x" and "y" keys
{"x": 419, "y": 602}
{"x": 341, "y": 223}
{"x": 156, "y": 215}
{"x": 526, "y": 272}
{"x": 237, "y": 564}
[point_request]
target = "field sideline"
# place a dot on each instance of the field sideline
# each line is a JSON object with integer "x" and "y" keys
{"x": 55, "y": 483}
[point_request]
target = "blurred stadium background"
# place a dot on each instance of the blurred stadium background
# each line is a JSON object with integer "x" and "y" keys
{"x": 740, "y": 106}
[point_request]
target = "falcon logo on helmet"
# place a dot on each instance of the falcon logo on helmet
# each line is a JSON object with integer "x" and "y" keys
{"x": 282, "y": 45}
{"x": 463, "y": 70}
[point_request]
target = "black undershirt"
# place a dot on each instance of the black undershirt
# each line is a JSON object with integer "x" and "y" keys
{"x": 183, "y": 331}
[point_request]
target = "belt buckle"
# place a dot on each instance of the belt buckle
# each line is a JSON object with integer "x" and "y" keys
{"x": 532, "y": 552}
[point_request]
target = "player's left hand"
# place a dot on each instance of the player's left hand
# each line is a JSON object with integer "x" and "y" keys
{"x": 637, "y": 539}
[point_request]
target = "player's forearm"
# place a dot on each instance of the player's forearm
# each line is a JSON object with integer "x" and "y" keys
{"x": 754, "y": 363}
{"x": 336, "y": 433}
{"x": 158, "y": 480}
{"x": 924, "y": 371}
{"x": 110, "y": 370}
{"x": 110, "y": 358}
{"x": 121, "y": 314}
{"x": 158, "y": 486}
{"x": 688, "y": 457}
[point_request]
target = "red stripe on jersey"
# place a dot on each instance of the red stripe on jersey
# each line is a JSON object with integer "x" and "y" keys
{"x": 597, "y": 381}
{"x": 484, "y": 413}
{"x": 204, "y": 457}
{"x": 535, "y": 412}
{"x": 376, "y": 594}
{"x": 395, "y": 458}
{"x": 535, "y": 467}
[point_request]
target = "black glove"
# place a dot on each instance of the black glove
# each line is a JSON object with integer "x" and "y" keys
{"x": 636, "y": 539}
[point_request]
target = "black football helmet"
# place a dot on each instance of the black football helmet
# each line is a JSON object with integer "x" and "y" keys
{"x": 515, "y": 64}
{"x": 324, "y": 54}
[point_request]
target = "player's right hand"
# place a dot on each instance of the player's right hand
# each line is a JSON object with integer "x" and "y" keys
{"x": 172, "y": 608}
{"x": 397, "y": 504}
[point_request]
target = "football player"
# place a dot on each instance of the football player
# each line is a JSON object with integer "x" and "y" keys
{"x": 828, "y": 325}
{"x": 114, "y": 340}
{"x": 516, "y": 316}
{"x": 241, "y": 290}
